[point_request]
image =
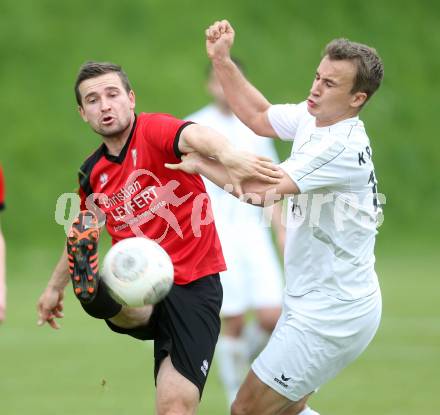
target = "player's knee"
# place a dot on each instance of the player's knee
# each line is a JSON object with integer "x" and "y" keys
{"x": 176, "y": 411}
{"x": 267, "y": 319}
{"x": 268, "y": 324}
{"x": 297, "y": 407}
{"x": 132, "y": 317}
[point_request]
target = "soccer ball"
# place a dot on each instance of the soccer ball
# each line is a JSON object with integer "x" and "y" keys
{"x": 137, "y": 271}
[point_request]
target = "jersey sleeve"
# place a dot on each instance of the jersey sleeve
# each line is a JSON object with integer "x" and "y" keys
{"x": 285, "y": 119}
{"x": 163, "y": 132}
{"x": 320, "y": 165}
{"x": 2, "y": 190}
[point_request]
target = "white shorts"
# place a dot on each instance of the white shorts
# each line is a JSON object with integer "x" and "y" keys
{"x": 254, "y": 276}
{"x": 315, "y": 338}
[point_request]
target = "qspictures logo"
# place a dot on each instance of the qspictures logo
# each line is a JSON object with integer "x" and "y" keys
{"x": 141, "y": 205}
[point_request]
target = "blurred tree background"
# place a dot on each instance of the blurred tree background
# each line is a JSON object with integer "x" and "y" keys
{"x": 160, "y": 44}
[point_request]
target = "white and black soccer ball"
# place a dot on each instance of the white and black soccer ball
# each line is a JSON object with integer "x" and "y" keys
{"x": 137, "y": 271}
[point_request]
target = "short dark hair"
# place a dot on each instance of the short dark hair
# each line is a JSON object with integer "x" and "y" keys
{"x": 92, "y": 69}
{"x": 369, "y": 65}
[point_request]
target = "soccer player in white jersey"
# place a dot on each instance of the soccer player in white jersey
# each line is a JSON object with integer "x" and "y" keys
{"x": 332, "y": 303}
{"x": 253, "y": 280}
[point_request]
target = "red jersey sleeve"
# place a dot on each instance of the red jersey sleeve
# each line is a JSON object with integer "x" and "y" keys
{"x": 163, "y": 132}
{"x": 2, "y": 190}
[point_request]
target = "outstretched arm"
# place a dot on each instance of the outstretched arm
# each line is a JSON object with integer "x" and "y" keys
{"x": 245, "y": 100}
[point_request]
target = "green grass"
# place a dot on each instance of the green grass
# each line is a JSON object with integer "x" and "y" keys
{"x": 397, "y": 375}
{"x": 47, "y": 372}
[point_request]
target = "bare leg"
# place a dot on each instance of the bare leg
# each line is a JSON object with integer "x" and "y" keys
{"x": 257, "y": 333}
{"x": 298, "y": 408}
{"x": 233, "y": 325}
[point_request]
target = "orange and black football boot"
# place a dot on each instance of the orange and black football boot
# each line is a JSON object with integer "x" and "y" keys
{"x": 82, "y": 254}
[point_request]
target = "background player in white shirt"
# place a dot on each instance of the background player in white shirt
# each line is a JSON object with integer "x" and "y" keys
{"x": 253, "y": 280}
{"x": 332, "y": 303}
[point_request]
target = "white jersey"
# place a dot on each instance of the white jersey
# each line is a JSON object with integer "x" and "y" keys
{"x": 332, "y": 224}
{"x": 254, "y": 275}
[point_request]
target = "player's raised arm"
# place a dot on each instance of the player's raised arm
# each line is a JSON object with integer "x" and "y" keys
{"x": 239, "y": 165}
{"x": 245, "y": 100}
{"x": 50, "y": 303}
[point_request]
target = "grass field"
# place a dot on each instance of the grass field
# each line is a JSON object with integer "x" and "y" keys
{"x": 86, "y": 369}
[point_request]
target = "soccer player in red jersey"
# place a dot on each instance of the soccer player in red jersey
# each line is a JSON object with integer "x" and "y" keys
{"x": 2, "y": 254}
{"x": 127, "y": 180}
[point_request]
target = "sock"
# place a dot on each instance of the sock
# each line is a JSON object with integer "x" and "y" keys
{"x": 102, "y": 306}
{"x": 256, "y": 338}
{"x": 233, "y": 364}
{"x": 308, "y": 411}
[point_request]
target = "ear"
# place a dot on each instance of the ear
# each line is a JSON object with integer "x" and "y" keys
{"x": 82, "y": 113}
{"x": 358, "y": 99}
{"x": 132, "y": 98}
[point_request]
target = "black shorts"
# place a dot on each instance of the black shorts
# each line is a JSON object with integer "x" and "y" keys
{"x": 185, "y": 326}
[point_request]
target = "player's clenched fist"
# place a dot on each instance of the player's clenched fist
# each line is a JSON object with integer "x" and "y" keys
{"x": 219, "y": 39}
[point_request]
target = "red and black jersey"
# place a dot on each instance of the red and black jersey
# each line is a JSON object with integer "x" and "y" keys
{"x": 141, "y": 197}
{"x": 2, "y": 190}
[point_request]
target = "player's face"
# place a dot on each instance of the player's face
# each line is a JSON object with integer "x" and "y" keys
{"x": 330, "y": 99}
{"x": 106, "y": 105}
